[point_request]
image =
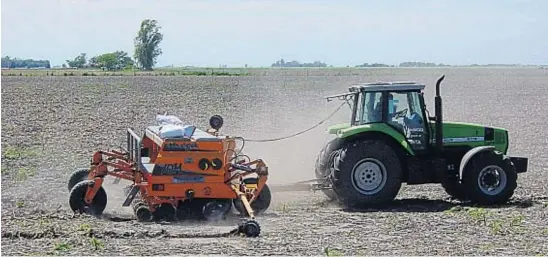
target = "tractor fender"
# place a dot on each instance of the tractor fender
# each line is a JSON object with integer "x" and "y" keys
{"x": 471, "y": 153}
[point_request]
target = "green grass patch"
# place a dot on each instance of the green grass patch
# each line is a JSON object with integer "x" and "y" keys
{"x": 62, "y": 246}
{"x": 20, "y": 204}
{"x": 96, "y": 244}
{"x": 478, "y": 214}
{"x": 497, "y": 225}
{"x": 25, "y": 173}
{"x": 17, "y": 153}
{"x": 331, "y": 252}
{"x": 453, "y": 209}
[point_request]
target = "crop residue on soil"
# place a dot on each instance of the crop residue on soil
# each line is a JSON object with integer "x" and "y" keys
{"x": 52, "y": 125}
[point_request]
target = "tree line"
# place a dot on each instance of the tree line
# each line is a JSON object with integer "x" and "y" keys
{"x": 117, "y": 60}
{"x": 282, "y": 63}
{"x": 13, "y": 63}
{"x": 146, "y": 51}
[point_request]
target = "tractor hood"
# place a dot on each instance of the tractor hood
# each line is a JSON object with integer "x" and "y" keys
{"x": 454, "y": 134}
{"x": 333, "y": 129}
{"x": 454, "y": 129}
{"x": 472, "y": 134}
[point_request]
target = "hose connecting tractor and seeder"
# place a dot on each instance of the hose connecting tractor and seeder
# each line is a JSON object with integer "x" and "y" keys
{"x": 198, "y": 174}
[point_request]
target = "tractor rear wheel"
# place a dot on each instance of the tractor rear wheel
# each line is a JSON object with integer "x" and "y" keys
{"x": 490, "y": 178}
{"x": 324, "y": 166}
{"x": 367, "y": 172}
{"x": 77, "y": 176}
{"x": 261, "y": 202}
{"x": 78, "y": 194}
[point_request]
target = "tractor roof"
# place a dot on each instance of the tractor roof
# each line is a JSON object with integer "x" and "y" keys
{"x": 386, "y": 86}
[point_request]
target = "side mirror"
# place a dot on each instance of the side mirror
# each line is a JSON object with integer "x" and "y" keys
{"x": 432, "y": 118}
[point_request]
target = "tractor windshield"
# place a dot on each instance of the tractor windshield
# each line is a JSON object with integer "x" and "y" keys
{"x": 369, "y": 108}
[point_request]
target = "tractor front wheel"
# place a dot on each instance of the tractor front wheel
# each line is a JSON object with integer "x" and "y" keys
{"x": 78, "y": 195}
{"x": 367, "y": 172}
{"x": 490, "y": 178}
{"x": 454, "y": 189}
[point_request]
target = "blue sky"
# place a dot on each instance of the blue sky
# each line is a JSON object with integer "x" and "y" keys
{"x": 236, "y": 32}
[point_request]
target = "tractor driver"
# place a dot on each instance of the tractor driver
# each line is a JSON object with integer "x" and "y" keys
{"x": 392, "y": 107}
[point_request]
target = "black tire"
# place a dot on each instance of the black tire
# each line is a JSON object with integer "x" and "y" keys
{"x": 250, "y": 228}
{"x": 323, "y": 167}
{"x": 142, "y": 212}
{"x": 136, "y": 203}
{"x": 451, "y": 183}
{"x": 77, "y": 176}
{"x": 380, "y": 160}
{"x": 260, "y": 204}
{"x": 216, "y": 210}
{"x": 454, "y": 189}
{"x": 77, "y": 195}
{"x": 498, "y": 163}
{"x": 164, "y": 212}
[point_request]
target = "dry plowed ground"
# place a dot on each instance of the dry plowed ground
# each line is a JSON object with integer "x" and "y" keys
{"x": 52, "y": 125}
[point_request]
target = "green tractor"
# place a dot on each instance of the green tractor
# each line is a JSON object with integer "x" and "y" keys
{"x": 390, "y": 140}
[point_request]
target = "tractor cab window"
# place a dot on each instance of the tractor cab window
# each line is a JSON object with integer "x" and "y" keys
{"x": 370, "y": 108}
{"x": 405, "y": 114}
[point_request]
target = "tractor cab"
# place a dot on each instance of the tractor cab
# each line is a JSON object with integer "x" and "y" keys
{"x": 398, "y": 105}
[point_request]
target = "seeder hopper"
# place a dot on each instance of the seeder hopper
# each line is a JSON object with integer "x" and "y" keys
{"x": 195, "y": 174}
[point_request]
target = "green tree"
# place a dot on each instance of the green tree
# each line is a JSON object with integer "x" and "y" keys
{"x": 123, "y": 60}
{"x": 112, "y": 61}
{"x": 107, "y": 61}
{"x": 147, "y": 44}
{"x": 93, "y": 62}
{"x": 78, "y": 62}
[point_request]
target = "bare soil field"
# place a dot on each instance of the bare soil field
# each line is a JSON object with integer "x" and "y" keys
{"x": 52, "y": 125}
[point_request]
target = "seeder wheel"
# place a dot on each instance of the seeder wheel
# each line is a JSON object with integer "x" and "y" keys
{"x": 77, "y": 176}
{"x": 77, "y": 199}
{"x": 142, "y": 213}
{"x": 216, "y": 210}
{"x": 261, "y": 202}
{"x": 165, "y": 211}
{"x": 250, "y": 228}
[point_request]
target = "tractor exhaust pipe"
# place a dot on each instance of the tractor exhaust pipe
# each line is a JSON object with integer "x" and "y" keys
{"x": 439, "y": 116}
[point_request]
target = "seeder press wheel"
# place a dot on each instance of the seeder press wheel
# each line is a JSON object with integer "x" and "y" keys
{"x": 249, "y": 228}
{"x": 78, "y": 195}
{"x": 260, "y": 204}
{"x": 141, "y": 211}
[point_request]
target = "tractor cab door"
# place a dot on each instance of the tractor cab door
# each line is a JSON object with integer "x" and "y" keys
{"x": 406, "y": 116}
